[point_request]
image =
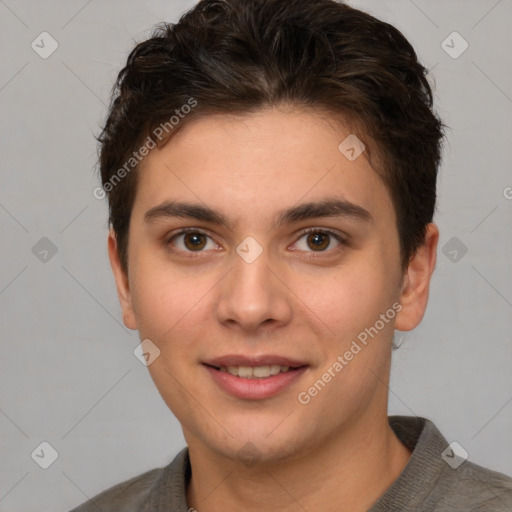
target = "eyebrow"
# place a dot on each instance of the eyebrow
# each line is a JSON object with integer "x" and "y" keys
{"x": 311, "y": 210}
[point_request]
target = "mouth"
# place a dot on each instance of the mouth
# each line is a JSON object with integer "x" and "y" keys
{"x": 254, "y": 378}
{"x": 256, "y": 372}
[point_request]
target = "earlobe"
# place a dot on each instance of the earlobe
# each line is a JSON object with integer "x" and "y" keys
{"x": 122, "y": 283}
{"x": 416, "y": 282}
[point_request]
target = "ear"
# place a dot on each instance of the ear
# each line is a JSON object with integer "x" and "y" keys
{"x": 122, "y": 284}
{"x": 416, "y": 282}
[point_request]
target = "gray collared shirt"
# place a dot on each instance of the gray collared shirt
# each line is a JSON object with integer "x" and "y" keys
{"x": 428, "y": 483}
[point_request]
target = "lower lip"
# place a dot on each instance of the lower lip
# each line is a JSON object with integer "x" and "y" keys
{"x": 255, "y": 389}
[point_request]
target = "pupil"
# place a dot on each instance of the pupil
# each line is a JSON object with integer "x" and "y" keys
{"x": 194, "y": 241}
{"x": 319, "y": 240}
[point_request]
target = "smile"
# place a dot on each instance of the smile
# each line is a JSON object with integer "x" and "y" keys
{"x": 252, "y": 379}
{"x": 257, "y": 372}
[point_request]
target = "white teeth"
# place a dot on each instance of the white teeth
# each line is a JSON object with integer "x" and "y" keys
{"x": 260, "y": 371}
{"x": 257, "y": 372}
{"x": 275, "y": 369}
{"x": 244, "y": 371}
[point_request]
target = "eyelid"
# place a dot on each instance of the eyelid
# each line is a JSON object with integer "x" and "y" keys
{"x": 339, "y": 238}
{"x": 183, "y": 231}
{"x": 343, "y": 240}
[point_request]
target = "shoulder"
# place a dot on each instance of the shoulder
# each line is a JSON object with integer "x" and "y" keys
{"x": 127, "y": 496}
{"x": 438, "y": 479}
{"x": 157, "y": 489}
{"x": 480, "y": 489}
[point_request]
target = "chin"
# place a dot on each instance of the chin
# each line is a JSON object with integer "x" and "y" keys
{"x": 251, "y": 452}
{"x": 254, "y": 441}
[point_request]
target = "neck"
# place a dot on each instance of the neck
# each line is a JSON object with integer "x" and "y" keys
{"x": 347, "y": 472}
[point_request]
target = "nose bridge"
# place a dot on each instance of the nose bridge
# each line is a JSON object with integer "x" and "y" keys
{"x": 250, "y": 295}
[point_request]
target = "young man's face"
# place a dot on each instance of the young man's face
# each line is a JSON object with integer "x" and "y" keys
{"x": 257, "y": 291}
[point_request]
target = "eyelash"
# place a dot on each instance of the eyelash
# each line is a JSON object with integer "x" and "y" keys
{"x": 312, "y": 254}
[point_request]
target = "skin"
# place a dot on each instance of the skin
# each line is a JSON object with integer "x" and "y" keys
{"x": 338, "y": 451}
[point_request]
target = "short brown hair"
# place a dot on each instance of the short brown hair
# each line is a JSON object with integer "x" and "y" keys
{"x": 237, "y": 56}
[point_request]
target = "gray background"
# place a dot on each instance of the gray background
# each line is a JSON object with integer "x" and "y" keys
{"x": 68, "y": 373}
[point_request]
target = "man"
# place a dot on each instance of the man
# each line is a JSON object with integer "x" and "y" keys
{"x": 271, "y": 172}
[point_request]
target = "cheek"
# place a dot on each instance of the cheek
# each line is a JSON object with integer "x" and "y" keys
{"x": 357, "y": 348}
{"x": 163, "y": 299}
{"x": 351, "y": 298}
{"x": 174, "y": 309}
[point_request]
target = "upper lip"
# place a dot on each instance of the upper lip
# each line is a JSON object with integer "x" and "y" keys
{"x": 260, "y": 360}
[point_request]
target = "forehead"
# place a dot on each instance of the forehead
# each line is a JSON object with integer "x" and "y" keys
{"x": 261, "y": 162}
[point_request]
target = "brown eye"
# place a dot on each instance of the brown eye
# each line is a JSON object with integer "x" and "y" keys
{"x": 194, "y": 241}
{"x": 318, "y": 241}
{"x": 188, "y": 241}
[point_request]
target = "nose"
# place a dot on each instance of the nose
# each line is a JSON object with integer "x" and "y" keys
{"x": 253, "y": 298}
